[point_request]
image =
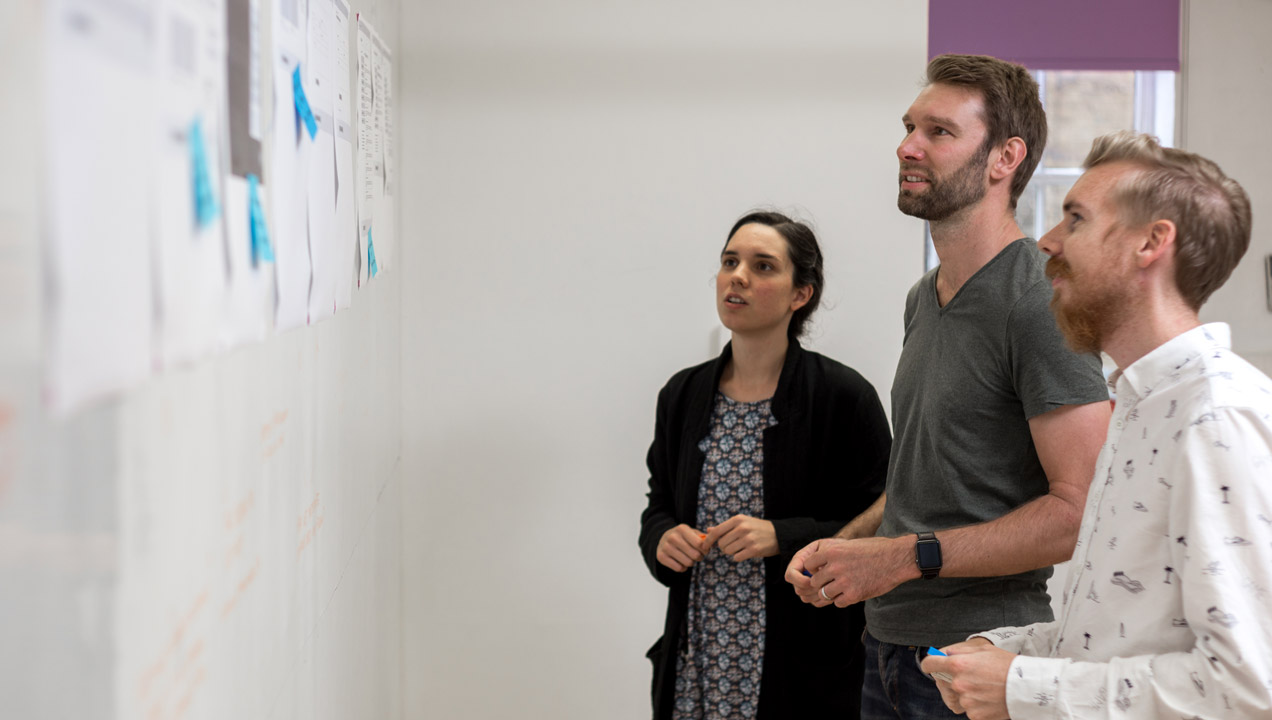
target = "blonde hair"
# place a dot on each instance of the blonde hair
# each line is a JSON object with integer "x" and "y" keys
{"x": 1210, "y": 210}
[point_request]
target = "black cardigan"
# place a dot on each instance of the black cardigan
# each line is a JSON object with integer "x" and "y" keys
{"x": 824, "y": 463}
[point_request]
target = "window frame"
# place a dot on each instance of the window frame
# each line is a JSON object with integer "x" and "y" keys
{"x": 1156, "y": 95}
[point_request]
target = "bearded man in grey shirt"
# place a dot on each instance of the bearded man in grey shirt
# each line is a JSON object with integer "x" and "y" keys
{"x": 997, "y": 424}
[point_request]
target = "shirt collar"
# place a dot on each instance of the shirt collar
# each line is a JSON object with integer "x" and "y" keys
{"x": 1140, "y": 377}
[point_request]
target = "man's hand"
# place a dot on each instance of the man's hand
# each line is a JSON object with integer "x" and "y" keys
{"x": 743, "y": 537}
{"x": 680, "y": 547}
{"x": 978, "y": 678}
{"x": 849, "y": 571}
{"x": 800, "y": 577}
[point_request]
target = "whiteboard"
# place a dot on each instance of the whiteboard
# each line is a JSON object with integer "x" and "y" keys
{"x": 223, "y": 540}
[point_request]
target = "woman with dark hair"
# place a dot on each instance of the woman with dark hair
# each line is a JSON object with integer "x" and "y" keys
{"x": 756, "y": 454}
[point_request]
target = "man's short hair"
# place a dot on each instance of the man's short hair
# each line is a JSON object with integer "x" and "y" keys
{"x": 1210, "y": 210}
{"x": 1012, "y": 105}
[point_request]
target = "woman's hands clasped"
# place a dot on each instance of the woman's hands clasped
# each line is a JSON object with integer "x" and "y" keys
{"x": 741, "y": 537}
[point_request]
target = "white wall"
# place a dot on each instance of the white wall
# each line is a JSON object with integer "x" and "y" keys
{"x": 573, "y": 168}
{"x": 1227, "y": 73}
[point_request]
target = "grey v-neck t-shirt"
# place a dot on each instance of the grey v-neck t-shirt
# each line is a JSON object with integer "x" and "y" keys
{"x": 970, "y": 377}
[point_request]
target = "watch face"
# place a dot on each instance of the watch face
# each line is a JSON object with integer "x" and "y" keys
{"x": 929, "y": 555}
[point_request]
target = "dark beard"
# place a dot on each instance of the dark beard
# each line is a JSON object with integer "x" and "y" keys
{"x": 949, "y": 195}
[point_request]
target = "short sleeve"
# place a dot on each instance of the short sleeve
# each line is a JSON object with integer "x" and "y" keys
{"x": 1046, "y": 373}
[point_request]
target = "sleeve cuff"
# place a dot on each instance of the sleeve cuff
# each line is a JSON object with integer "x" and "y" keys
{"x": 1009, "y": 639}
{"x": 1033, "y": 686}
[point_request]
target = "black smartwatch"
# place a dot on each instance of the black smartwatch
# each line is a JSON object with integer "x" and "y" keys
{"x": 927, "y": 554}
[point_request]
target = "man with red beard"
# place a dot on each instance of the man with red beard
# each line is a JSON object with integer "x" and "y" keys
{"x": 1168, "y": 608}
{"x": 997, "y": 424}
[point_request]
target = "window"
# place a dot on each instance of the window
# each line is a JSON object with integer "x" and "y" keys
{"x": 1082, "y": 105}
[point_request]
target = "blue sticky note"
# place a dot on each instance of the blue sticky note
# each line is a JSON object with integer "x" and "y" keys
{"x": 371, "y": 254}
{"x": 261, "y": 250}
{"x": 205, "y": 205}
{"x": 302, "y": 103}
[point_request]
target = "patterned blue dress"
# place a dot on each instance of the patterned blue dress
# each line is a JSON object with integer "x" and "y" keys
{"x": 718, "y": 670}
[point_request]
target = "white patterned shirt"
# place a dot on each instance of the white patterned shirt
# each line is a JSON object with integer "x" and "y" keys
{"x": 1167, "y": 610}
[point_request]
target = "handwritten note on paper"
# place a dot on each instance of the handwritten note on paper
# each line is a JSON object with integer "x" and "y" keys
{"x": 367, "y": 170}
{"x": 288, "y": 205}
{"x": 345, "y": 241}
{"x": 188, "y": 252}
{"x": 382, "y": 74}
{"x": 324, "y": 188}
{"x": 99, "y": 330}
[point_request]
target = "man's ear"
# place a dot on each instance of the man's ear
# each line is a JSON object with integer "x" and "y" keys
{"x": 1008, "y": 158}
{"x": 1157, "y": 241}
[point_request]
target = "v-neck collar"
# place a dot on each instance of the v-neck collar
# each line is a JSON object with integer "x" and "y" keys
{"x": 936, "y": 296}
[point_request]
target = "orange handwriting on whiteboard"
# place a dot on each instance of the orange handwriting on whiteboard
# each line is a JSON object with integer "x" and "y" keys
{"x": 273, "y": 434}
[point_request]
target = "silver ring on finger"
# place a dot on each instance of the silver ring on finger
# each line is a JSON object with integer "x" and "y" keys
{"x": 823, "y": 593}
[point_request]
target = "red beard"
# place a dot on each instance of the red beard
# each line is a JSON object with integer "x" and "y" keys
{"x": 1081, "y": 320}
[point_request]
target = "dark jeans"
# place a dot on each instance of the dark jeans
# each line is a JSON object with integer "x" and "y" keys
{"x": 895, "y": 688}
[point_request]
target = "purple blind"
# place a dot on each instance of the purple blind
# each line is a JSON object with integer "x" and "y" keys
{"x": 1069, "y": 35}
